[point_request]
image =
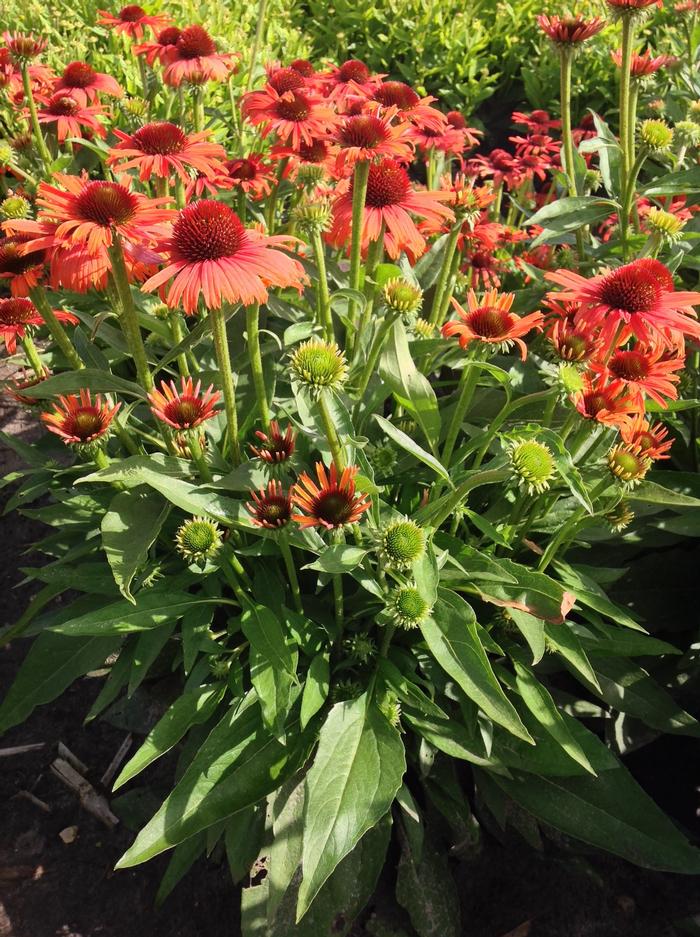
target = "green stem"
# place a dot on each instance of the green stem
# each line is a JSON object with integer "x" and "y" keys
{"x": 101, "y": 459}
{"x": 375, "y": 351}
{"x": 252, "y": 316}
{"x": 444, "y": 275}
{"x": 359, "y": 194}
{"x": 42, "y": 149}
{"x": 256, "y": 43}
{"x": 198, "y": 456}
{"x": 331, "y": 433}
{"x": 58, "y": 333}
{"x": 625, "y": 84}
{"x": 286, "y": 552}
{"x": 565, "y": 60}
{"x": 144, "y": 84}
{"x": 33, "y": 356}
{"x": 198, "y": 115}
{"x": 565, "y": 533}
{"x": 453, "y": 501}
{"x": 272, "y": 199}
{"x": 375, "y": 254}
{"x": 324, "y": 297}
{"x": 467, "y": 385}
{"x": 217, "y": 320}
{"x": 178, "y": 334}
{"x": 129, "y": 318}
{"x": 338, "y": 537}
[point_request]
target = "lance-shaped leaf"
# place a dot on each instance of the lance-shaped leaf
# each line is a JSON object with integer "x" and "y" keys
{"x": 351, "y": 785}
{"x": 450, "y": 633}
{"x": 129, "y": 527}
{"x": 272, "y": 664}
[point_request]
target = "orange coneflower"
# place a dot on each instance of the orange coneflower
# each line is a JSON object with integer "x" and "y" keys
{"x": 352, "y": 79}
{"x": 296, "y": 117}
{"x": 251, "y": 174}
{"x": 23, "y": 382}
{"x": 645, "y": 370}
{"x": 639, "y": 297}
{"x": 490, "y": 320}
{"x": 210, "y": 252}
{"x": 22, "y": 270}
{"x": 271, "y": 507}
{"x": 274, "y": 447}
{"x": 284, "y": 79}
{"x": 161, "y": 148}
{"x": 389, "y": 204}
{"x": 161, "y": 47}
{"x": 23, "y": 46}
{"x": 17, "y": 315}
{"x": 363, "y": 137}
{"x": 604, "y": 402}
{"x": 647, "y": 438}
{"x": 409, "y": 105}
{"x": 84, "y": 84}
{"x": 194, "y": 58}
{"x": 90, "y": 212}
{"x": 132, "y": 20}
{"x": 569, "y": 30}
{"x": 185, "y": 408}
{"x": 644, "y": 64}
{"x": 70, "y": 118}
{"x": 77, "y": 420}
{"x": 332, "y": 503}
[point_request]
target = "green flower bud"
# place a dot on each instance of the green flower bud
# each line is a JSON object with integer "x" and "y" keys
{"x": 320, "y": 365}
{"x": 620, "y": 517}
{"x": 687, "y": 133}
{"x": 407, "y": 607}
{"x": 15, "y": 206}
{"x": 628, "y": 465}
{"x": 533, "y": 464}
{"x": 402, "y": 297}
{"x": 666, "y": 225}
{"x": 313, "y": 214}
{"x": 198, "y": 539}
{"x": 402, "y": 543}
{"x": 655, "y": 135}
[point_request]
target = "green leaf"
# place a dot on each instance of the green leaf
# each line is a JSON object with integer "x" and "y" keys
{"x": 540, "y": 703}
{"x": 652, "y": 493}
{"x": 451, "y": 635}
{"x": 54, "y": 661}
{"x": 351, "y": 785}
{"x": 71, "y": 382}
{"x": 272, "y": 664}
{"x": 426, "y": 889}
{"x": 449, "y": 736}
{"x": 188, "y": 710}
{"x": 129, "y": 529}
{"x": 685, "y": 182}
{"x": 570, "y": 214}
{"x": 409, "y": 445}
{"x": 316, "y": 687}
{"x": 338, "y": 558}
{"x": 611, "y": 812}
{"x": 239, "y": 764}
{"x": 151, "y": 610}
{"x": 183, "y": 858}
{"x": 410, "y": 388}
{"x": 589, "y": 593}
{"x": 566, "y": 643}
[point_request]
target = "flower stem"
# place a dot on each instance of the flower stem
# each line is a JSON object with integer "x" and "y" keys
{"x": 565, "y": 60}
{"x": 33, "y": 356}
{"x": 252, "y": 315}
{"x": 198, "y": 456}
{"x": 338, "y": 537}
{"x": 444, "y": 275}
{"x": 42, "y": 149}
{"x": 129, "y": 318}
{"x": 259, "y": 26}
{"x": 177, "y": 333}
{"x": 331, "y": 433}
{"x": 272, "y": 199}
{"x": 374, "y": 353}
{"x": 359, "y": 194}
{"x": 467, "y": 384}
{"x": 217, "y": 321}
{"x": 286, "y": 552}
{"x": 198, "y": 114}
{"x": 324, "y": 298}
{"x": 58, "y": 333}
{"x": 374, "y": 258}
{"x": 625, "y": 85}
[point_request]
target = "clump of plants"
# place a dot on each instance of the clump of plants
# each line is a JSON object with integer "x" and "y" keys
{"x": 350, "y": 425}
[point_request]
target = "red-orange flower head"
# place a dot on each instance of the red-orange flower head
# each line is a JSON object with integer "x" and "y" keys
{"x": 296, "y": 116}
{"x": 569, "y": 30}
{"x": 23, "y": 46}
{"x": 90, "y": 212}
{"x": 185, "y": 408}
{"x": 132, "y": 20}
{"x": 194, "y": 59}
{"x": 635, "y": 8}
{"x": 212, "y": 254}
{"x": 161, "y": 148}
{"x": 332, "y": 503}
{"x": 19, "y": 315}
{"x": 650, "y": 440}
{"x": 83, "y": 83}
{"x": 271, "y": 507}
{"x": 364, "y": 137}
{"x": 303, "y": 66}
{"x": 274, "y": 447}
{"x": 638, "y": 297}
{"x": 604, "y": 402}
{"x": 79, "y": 421}
{"x": 285, "y": 79}
{"x": 645, "y": 371}
{"x": 161, "y": 48}
{"x": 490, "y": 320}
{"x": 22, "y": 270}
{"x": 17, "y": 387}
{"x": 644, "y": 64}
